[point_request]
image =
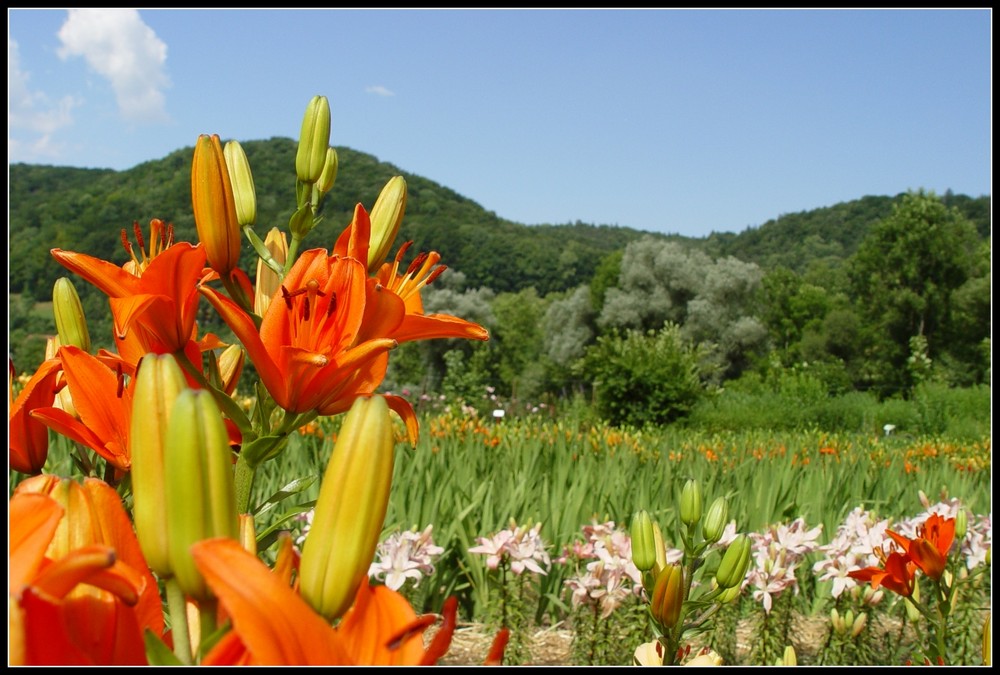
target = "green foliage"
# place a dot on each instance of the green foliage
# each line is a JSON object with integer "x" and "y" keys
{"x": 644, "y": 377}
{"x": 904, "y": 275}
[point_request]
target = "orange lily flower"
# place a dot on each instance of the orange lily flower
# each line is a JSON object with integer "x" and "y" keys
{"x": 896, "y": 574}
{"x": 81, "y": 592}
{"x": 307, "y": 350}
{"x": 29, "y": 438}
{"x": 929, "y": 550}
{"x": 399, "y": 313}
{"x": 153, "y": 294}
{"x": 277, "y": 627}
{"x": 103, "y": 406}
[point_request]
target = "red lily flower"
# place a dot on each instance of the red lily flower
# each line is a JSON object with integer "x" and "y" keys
{"x": 154, "y": 296}
{"x": 29, "y": 438}
{"x": 929, "y": 550}
{"x": 80, "y": 590}
{"x": 277, "y": 627}
{"x": 896, "y": 574}
{"x": 103, "y": 406}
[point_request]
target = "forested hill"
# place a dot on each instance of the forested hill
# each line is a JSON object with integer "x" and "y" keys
{"x": 84, "y": 209}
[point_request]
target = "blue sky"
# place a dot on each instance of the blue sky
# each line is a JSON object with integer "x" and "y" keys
{"x": 677, "y": 121}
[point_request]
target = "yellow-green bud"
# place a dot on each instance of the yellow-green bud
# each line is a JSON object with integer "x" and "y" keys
{"x": 735, "y": 562}
{"x": 715, "y": 520}
{"x": 988, "y": 640}
{"x": 314, "y": 140}
{"x": 159, "y": 382}
{"x": 836, "y": 622}
{"x": 201, "y": 498}
{"x": 71, "y": 324}
{"x": 912, "y": 613}
{"x": 691, "y": 503}
{"x": 386, "y": 217}
{"x": 661, "y": 549}
{"x": 961, "y": 524}
{"x": 789, "y": 658}
{"x": 329, "y": 174}
{"x": 668, "y": 596}
{"x": 248, "y": 534}
{"x": 859, "y": 624}
{"x": 244, "y": 194}
{"x": 231, "y": 362}
{"x": 268, "y": 282}
{"x": 350, "y": 510}
{"x": 643, "y": 543}
{"x": 214, "y": 205}
{"x": 729, "y": 595}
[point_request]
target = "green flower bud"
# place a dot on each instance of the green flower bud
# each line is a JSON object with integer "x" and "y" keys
{"x": 860, "y": 621}
{"x": 71, "y": 324}
{"x": 350, "y": 510}
{"x": 735, "y": 562}
{"x": 691, "y": 503}
{"x": 329, "y": 175}
{"x": 386, "y": 217}
{"x": 789, "y": 658}
{"x": 201, "y": 498}
{"x": 961, "y": 524}
{"x": 729, "y": 595}
{"x": 661, "y": 549}
{"x": 715, "y": 520}
{"x": 159, "y": 382}
{"x": 836, "y": 622}
{"x": 244, "y": 195}
{"x": 668, "y": 596}
{"x": 643, "y": 543}
{"x": 314, "y": 140}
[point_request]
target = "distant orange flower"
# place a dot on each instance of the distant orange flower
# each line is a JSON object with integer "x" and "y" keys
{"x": 929, "y": 550}
{"x": 273, "y": 625}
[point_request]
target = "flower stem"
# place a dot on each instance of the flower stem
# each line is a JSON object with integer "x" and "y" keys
{"x": 178, "y": 621}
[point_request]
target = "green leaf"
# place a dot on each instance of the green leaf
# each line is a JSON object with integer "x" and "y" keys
{"x": 157, "y": 653}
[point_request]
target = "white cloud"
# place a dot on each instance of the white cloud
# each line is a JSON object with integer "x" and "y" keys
{"x": 32, "y": 114}
{"x": 379, "y": 90}
{"x": 120, "y": 47}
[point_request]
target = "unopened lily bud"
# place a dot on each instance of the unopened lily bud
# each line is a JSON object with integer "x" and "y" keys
{"x": 214, "y": 205}
{"x": 231, "y": 362}
{"x": 201, "y": 498}
{"x": 912, "y": 613}
{"x": 715, "y": 520}
{"x": 350, "y": 510}
{"x": 735, "y": 562}
{"x": 386, "y": 217}
{"x": 648, "y": 654}
{"x": 848, "y": 620}
{"x": 244, "y": 194}
{"x": 248, "y": 535}
{"x": 691, "y": 503}
{"x": 643, "y": 543}
{"x": 789, "y": 658}
{"x": 961, "y": 524}
{"x": 314, "y": 140}
{"x": 267, "y": 282}
{"x": 329, "y": 174}
{"x": 71, "y": 324}
{"x": 661, "y": 549}
{"x": 159, "y": 382}
{"x": 988, "y": 640}
{"x": 860, "y": 621}
{"x": 729, "y": 595}
{"x": 668, "y": 596}
{"x": 836, "y": 621}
